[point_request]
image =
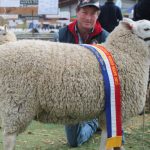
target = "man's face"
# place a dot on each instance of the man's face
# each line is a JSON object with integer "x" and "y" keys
{"x": 87, "y": 17}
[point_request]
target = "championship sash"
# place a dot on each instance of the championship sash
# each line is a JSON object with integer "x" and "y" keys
{"x": 112, "y": 94}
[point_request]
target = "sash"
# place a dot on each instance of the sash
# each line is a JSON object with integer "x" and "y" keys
{"x": 112, "y": 94}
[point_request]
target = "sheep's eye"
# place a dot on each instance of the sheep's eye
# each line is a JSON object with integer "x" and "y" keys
{"x": 146, "y": 29}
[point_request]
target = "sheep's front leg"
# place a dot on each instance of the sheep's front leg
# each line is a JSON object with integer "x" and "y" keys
{"x": 9, "y": 141}
{"x": 103, "y": 140}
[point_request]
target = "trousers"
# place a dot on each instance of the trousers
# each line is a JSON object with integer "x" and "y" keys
{"x": 79, "y": 133}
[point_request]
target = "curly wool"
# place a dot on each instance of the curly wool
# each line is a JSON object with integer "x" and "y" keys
{"x": 61, "y": 80}
{"x": 131, "y": 55}
{"x": 62, "y": 83}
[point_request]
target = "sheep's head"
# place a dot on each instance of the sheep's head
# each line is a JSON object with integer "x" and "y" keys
{"x": 141, "y": 28}
{"x": 6, "y": 36}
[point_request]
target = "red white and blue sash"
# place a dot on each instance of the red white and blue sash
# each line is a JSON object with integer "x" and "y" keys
{"x": 112, "y": 94}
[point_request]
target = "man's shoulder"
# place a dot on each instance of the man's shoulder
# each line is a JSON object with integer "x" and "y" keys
{"x": 117, "y": 7}
{"x": 63, "y": 30}
{"x": 101, "y": 38}
{"x": 104, "y": 33}
{"x": 63, "y": 33}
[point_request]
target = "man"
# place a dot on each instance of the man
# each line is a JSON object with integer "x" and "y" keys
{"x": 86, "y": 29}
{"x": 141, "y": 10}
{"x": 110, "y": 15}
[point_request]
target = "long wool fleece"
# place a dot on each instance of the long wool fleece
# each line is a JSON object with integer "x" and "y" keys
{"x": 132, "y": 57}
{"x": 57, "y": 82}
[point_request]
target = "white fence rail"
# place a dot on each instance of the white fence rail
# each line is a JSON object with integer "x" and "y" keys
{"x": 42, "y": 34}
{"x": 36, "y": 36}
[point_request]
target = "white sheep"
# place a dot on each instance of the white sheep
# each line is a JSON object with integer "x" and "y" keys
{"x": 6, "y": 35}
{"x": 62, "y": 83}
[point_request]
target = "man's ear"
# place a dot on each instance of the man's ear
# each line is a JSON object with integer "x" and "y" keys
{"x": 128, "y": 23}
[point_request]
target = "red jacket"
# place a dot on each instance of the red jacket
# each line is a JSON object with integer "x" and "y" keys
{"x": 68, "y": 34}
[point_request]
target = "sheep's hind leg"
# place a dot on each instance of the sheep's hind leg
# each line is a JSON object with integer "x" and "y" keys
{"x": 9, "y": 141}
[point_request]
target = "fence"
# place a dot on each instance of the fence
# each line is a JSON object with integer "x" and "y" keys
{"x": 36, "y": 36}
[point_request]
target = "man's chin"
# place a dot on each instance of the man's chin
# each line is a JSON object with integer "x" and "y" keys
{"x": 87, "y": 28}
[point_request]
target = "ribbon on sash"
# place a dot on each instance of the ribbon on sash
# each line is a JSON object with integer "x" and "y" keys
{"x": 112, "y": 94}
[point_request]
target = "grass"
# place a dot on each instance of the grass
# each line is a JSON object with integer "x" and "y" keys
{"x": 40, "y": 136}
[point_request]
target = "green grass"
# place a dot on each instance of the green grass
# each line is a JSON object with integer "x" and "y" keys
{"x": 40, "y": 136}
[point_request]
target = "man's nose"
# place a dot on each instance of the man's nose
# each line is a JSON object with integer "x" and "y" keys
{"x": 89, "y": 17}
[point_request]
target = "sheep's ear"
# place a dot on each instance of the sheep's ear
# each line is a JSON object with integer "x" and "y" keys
{"x": 128, "y": 23}
{"x": 5, "y": 28}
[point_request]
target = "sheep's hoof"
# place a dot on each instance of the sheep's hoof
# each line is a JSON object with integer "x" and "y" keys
{"x": 119, "y": 148}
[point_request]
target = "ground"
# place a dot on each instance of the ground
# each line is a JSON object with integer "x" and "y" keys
{"x": 40, "y": 136}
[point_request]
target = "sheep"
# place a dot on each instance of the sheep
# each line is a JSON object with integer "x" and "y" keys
{"x": 6, "y": 35}
{"x": 62, "y": 83}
